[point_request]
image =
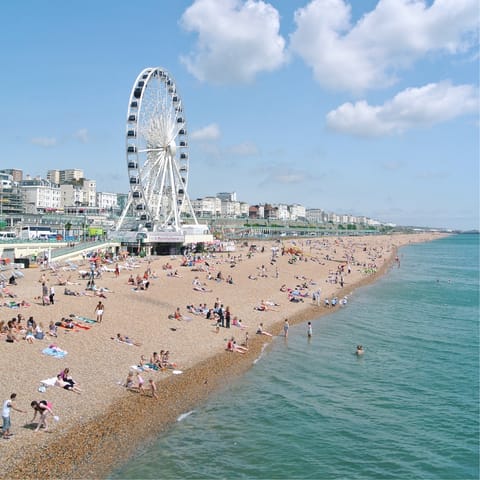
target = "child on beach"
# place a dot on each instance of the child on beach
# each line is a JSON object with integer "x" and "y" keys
{"x": 309, "y": 330}
{"x": 153, "y": 389}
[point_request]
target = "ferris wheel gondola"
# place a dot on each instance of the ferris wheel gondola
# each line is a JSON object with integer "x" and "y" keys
{"x": 157, "y": 154}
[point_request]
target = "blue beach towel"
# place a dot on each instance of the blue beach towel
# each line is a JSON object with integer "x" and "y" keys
{"x": 54, "y": 352}
{"x": 85, "y": 319}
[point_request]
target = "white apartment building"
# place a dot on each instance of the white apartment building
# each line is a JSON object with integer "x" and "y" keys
{"x": 107, "y": 201}
{"x": 72, "y": 196}
{"x": 334, "y": 218}
{"x": 207, "y": 207}
{"x": 282, "y": 212}
{"x": 230, "y": 209}
{"x": 40, "y": 195}
{"x": 90, "y": 189}
{"x": 316, "y": 215}
{"x": 297, "y": 211}
{"x": 244, "y": 209}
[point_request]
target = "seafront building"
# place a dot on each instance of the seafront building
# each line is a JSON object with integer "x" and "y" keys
{"x": 68, "y": 193}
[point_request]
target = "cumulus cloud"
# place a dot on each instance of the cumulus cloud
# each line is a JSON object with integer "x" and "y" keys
{"x": 389, "y": 38}
{"x": 45, "y": 142}
{"x": 210, "y": 132}
{"x": 236, "y": 40}
{"x": 414, "y": 107}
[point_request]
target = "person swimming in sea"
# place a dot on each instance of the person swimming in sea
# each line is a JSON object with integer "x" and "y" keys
{"x": 360, "y": 350}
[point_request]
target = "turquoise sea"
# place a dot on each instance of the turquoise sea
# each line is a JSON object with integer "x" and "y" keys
{"x": 312, "y": 409}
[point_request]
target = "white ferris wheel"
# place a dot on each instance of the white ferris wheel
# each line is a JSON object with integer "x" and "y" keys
{"x": 157, "y": 155}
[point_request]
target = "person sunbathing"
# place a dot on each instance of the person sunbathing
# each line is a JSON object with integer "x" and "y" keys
{"x": 266, "y": 306}
{"x": 72, "y": 293}
{"x": 156, "y": 360}
{"x": 59, "y": 382}
{"x": 11, "y": 337}
{"x": 233, "y": 347}
{"x": 29, "y": 337}
{"x": 65, "y": 323}
{"x": 166, "y": 360}
{"x": 237, "y": 322}
{"x": 129, "y": 382}
{"x": 125, "y": 339}
{"x": 52, "y": 329}
{"x": 65, "y": 375}
{"x": 261, "y": 331}
{"x": 239, "y": 348}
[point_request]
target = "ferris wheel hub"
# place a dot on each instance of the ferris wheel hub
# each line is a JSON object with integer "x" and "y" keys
{"x": 172, "y": 148}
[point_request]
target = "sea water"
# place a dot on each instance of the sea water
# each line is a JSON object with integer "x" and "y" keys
{"x": 312, "y": 409}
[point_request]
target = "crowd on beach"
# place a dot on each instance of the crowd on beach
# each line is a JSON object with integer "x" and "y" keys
{"x": 197, "y": 305}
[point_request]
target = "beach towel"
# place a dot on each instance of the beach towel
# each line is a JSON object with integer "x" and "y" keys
{"x": 145, "y": 368}
{"x": 49, "y": 382}
{"x": 85, "y": 319}
{"x": 54, "y": 352}
{"x": 83, "y": 327}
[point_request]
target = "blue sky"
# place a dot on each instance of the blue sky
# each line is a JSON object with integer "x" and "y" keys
{"x": 361, "y": 107}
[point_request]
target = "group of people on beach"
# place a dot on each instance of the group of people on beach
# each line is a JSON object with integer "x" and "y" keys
{"x": 18, "y": 329}
{"x": 42, "y": 408}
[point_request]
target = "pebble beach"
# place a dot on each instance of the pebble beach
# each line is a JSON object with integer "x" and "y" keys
{"x": 104, "y": 424}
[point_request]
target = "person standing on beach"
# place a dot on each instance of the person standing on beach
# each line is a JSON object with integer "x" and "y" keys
{"x": 99, "y": 309}
{"x": 44, "y": 293}
{"x": 221, "y": 315}
{"x": 8, "y": 406}
{"x": 52, "y": 294}
{"x": 227, "y": 317}
{"x": 286, "y": 326}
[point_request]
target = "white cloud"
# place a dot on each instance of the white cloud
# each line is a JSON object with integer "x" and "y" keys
{"x": 210, "y": 132}
{"x": 81, "y": 135}
{"x": 283, "y": 174}
{"x": 45, "y": 142}
{"x": 236, "y": 40}
{"x": 245, "y": 149}
{"x": 290, "y": 177}
{"x": 387, "y": 39}
{"x": 414, "y": 107}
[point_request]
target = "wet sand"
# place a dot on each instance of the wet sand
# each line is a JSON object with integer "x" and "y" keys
{"x": 106, "y": 423}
